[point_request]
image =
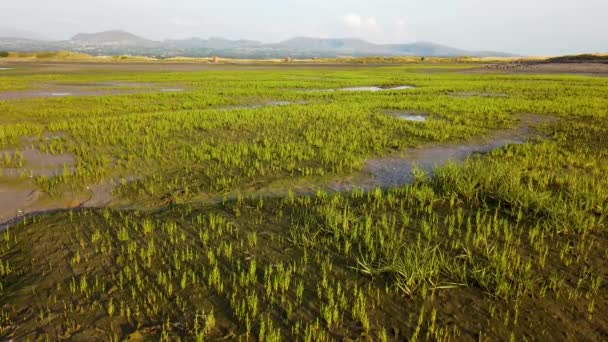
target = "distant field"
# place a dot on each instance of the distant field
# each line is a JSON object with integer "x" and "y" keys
{"x": 73, "y": 56}
{"x": 290, "y": 201}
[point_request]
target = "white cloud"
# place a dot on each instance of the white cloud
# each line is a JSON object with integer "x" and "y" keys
{"x": 352, "y": 20}
{"x": 371, "y": 24}
{"x": 363, "y": 23}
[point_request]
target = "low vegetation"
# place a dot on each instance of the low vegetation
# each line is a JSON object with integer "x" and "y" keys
{"x": 589, "y": 58}
{"x": 510, "y": 245}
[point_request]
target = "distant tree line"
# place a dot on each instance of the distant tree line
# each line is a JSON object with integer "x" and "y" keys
{"x": 3, "y": 53}
{"x": 579, "y": 59}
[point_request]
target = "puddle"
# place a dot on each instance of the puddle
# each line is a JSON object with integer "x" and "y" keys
{"x": 278, "y": 103}
{"x": 375, "y": 89}
{"x": 397, "y": 170}
{"x": 266, "y": 104}
{"x": 477, "y": 94}
{"x": 104, "y": 84}
{"x": 27, "y": 94}
{"x": 362, "y": 89}
{"x": 101, "y": 195}
{"x": 6, "y": 68}
{"x": 415, "y": 118}
{"x": 411, "y": 117}
{"x": 12, "y": 202}
{"x": 390, "y": 171}
{"x": 85, "y": 89}
{"x": 401, "y": 87}
{"x": 36, "y": 163}
{"x": 45, "y": 137}
{"x": 17, "y": 203}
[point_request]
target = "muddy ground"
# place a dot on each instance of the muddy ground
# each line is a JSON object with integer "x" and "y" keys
{"x": 594, "y": 69}
{"x": 384, "y": 172}
{"x": 589, "y": 69}
{"x": 20, "y": 196}
{"x": 61, "y": 67}
{"x": 17, "y": 202}
{"x": 85, "y": 89}
{"x": 395, "y": 170}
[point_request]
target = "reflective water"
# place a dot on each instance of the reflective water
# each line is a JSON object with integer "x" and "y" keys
{"x": 374, "y": 89}
{"x": 411, "y": 117}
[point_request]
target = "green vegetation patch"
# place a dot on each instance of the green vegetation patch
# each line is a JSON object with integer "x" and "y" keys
{"x": 508, "y": 245}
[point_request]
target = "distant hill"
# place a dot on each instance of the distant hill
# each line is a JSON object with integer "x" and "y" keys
{"x": 429, "y": 49}
{"x": 115, "y": 37}
{"x": 359, "y": 47}
{"x": 349, "y": 45}
{"x": 212, "y": 43}
{"x": 116, "y": 42}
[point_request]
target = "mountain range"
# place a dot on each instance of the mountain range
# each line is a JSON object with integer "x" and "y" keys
{"x": 118, "y": 42}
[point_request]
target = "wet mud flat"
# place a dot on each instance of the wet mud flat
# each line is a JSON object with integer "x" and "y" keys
{"x": 172, "y": 90}
{"x": 36, "y": 163}
{"x": 372, "y": 89}
{"x": 411, "y": 117}
{"x": 477, "y": 94}
{"x": 15, "y": 202}
{"x": 587, "y": 69}
{"x": 396, "y": 169}
{"x": 174, "y": 66}
{"x": 60, "y": 92}
{"x": 408, "y": 115}
{"x": 376, "y": 89}
{"x": 87, "y": 89}
{"x": 383, "y": 172}
{"x": 110, "y": 84}
{"x": 262, "y": 105}
{"x": 19, "y": 196}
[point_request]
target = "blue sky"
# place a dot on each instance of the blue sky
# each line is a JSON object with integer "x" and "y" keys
{"x": 519, "y": 26}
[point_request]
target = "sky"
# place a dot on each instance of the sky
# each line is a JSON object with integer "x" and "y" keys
{"x": 530, "y": 27}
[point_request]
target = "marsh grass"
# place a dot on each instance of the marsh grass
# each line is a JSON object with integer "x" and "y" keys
{"x": 494, "y": 248}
